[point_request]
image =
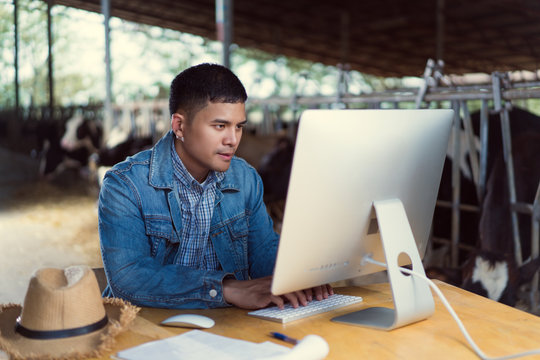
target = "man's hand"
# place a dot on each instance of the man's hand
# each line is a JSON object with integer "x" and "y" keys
{"x": 255, "y": 294}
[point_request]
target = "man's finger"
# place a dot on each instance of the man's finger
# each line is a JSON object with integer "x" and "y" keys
{"x": 330, "y": 289}
{"x": 278, "y": 301}
{"x": 302, "y": 297}
{"x": 318, "y": 293}
{"x": 309, "y": 294}
{"x": 293, "y": 299}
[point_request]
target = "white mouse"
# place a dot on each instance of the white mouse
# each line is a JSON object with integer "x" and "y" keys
{"x": 190, "y": 321}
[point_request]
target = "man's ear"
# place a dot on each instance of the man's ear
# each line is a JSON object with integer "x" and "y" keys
{"x": 178, "y": 122}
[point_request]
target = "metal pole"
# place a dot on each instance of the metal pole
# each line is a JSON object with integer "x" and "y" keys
{"x": 343, "y": 81}
{"x": 224, "y": 25}
{"x": 16, "y": 55}
{"x": 456, "y": 187}
{"x": 108, "y": 114}
{"x": 50, "y": 59}
{"x": 508, "y": 159}
{"x": 440, "y": 30}
{"x": 473, "y": 155}
{"x": 535, "y": 245}
{"x": 344, "y": 33}
{"x": 484, "y": 132}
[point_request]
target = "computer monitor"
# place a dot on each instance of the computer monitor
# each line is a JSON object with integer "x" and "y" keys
{"x": 363, "y": 183}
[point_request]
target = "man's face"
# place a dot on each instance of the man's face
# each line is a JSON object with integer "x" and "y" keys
{"x": 211, "y": 138}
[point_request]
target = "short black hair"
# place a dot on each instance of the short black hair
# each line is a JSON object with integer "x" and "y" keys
{"x": 194, "y": 87}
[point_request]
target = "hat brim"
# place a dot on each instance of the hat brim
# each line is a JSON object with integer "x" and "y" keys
{"x": 119, "y": 312}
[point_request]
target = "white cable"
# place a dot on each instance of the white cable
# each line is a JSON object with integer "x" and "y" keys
{"x": 471, "y": 342}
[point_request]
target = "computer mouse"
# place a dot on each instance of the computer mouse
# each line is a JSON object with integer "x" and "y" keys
{"x": 190, "y": 321}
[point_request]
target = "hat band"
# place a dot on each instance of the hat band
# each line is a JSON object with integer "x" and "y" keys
{"x": 59, "y": 334}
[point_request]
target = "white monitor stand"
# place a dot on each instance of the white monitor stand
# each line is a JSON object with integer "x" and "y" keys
{"x": 412, "y": 297}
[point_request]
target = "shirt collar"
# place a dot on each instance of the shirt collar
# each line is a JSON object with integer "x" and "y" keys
{"x": 161, "y": 171}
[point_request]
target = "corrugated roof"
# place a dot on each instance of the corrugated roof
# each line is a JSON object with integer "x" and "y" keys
{"x": 383, "y": 37}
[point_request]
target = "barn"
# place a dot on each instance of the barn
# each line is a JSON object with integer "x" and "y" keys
{"x": 479, "y": 59}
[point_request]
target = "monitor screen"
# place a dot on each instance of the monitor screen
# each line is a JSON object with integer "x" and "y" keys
{"x": 346, "y": 162}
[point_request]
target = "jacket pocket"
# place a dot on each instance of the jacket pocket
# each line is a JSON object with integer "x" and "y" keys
{"x": 163, "y": 238}
{"x": 239, "y": 233}
{"x": 238, "y": 228}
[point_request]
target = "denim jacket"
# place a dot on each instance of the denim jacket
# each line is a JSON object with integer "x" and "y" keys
{"x": 140, "y": 224}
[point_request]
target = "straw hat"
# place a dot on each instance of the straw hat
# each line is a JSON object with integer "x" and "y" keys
{"x": 64, "y": 316}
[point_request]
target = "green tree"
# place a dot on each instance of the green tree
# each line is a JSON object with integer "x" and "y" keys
{"x": 7, "y": 96}
{"x": 144, "y": 59}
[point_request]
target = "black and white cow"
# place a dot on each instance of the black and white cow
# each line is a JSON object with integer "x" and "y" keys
{"x": 495, "y": 230}
{"x": 137, "y": 129}
{"x": 492, "y": 270}
{"x": 106, "y": 157}
{"x": 442, "y": 218}
{"x": 77, "y": 144}
{"x": 521, "y": 122}
{"x": 490, "y": 274}
{"x": 275, "y": 170}
{"x": 67, "y": 145}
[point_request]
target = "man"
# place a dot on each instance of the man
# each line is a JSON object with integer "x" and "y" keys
{"x": 183, "y": 225}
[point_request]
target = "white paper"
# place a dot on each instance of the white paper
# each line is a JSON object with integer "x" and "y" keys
{"x": 197, "y": 344}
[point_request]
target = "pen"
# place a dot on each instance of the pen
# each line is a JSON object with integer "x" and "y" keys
{"x": 284, "y": 338}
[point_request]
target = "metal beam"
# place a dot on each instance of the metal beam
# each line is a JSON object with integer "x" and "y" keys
{"x": 224, "y": 25}
{"x": 508, "y": 160}
{"x": 107, "y": 106}
{"x": 16, "y": 55}
{"x": 456, "y": 188}
{"x": 411, "y": 94}
{"x": 345, "y": 20}
{"x": 439, "y": 55}
{"x": 50, "y": 58}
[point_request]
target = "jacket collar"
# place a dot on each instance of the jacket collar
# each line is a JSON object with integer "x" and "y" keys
{"x": 161, "y": 167}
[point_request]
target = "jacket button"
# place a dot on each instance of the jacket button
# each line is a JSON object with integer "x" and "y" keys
{"x": 213, "y": 293}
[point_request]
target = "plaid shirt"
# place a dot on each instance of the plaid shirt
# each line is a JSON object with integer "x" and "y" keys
{"x": 197, "y": 203}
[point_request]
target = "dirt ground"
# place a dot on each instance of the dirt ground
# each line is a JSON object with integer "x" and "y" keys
{"x": 44, "y": 224}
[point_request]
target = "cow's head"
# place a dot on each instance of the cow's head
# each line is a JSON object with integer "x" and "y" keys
{"x": 81, "y": 132}
{"x": 497, "y": 276}
{"x": 489, "y": 274}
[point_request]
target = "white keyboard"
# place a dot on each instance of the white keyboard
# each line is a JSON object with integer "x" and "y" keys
{"x": 289, "y": 313}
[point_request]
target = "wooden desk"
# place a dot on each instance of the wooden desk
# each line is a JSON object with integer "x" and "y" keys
{"x": 497, "y": 329}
